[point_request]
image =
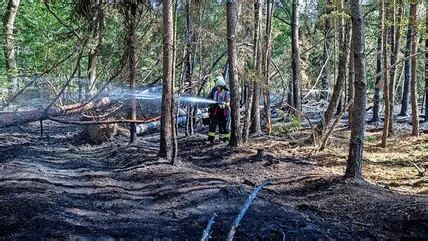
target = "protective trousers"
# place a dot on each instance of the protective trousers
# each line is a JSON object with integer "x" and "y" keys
{"x": 221, "y": 118}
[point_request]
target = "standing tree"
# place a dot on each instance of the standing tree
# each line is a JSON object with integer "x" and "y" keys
{"x": 426, "y": 68}
{"x": 376, "y": 97}
{"x": 295, "y": 56}
{"x": 255, "y": 104}
{"x": 236, "y": 134}
{"x": 9, "y": 44}
{"x": 355, "y": 158}
{"x": 97, "y": 36}
{"x": 266, "y": 61}
{"x": 406, "y": 84}
{"x": 385, "y": 75}
{"x": 394, "y": 42}
{"x": 326, "y": 51}
{"x": 131, "y": 25}
{"x": 338, "y": 87}
{"x": 413, "y": 97}
{"x": 165, "y": 149}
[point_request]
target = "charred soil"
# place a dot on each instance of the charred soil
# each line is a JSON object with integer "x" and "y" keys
{"x": 51, "y": 188}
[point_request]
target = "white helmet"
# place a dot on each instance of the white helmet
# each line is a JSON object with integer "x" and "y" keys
{"x": 220, "y": 81}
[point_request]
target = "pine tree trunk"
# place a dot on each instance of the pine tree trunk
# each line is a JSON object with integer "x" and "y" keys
{"x": 351, "y": 91}
{"x": 9, "y": 44}
{"x": 130, "y": 18}
{"x": 385, "y": 76}
{"x": 406, "y": 84}
{"x": 255, "y": 104}
{"x": 426, "y": 67}
{"x": 355, "y": 158}
{"x": 266, "y": 64}
{"x": 166, "y": 129}
{"x": 188, "y": 69}
{"x": 326, "y": 51}
{"x": 235, "y": 138}
{"x": 394, "y": 46}
{"x": 376, "y": 98}
{"x": 413, "y": 96}
{"x": 93, "y": 52}
{"x": 295, "y": 55}
{"x": 338, "y": 87}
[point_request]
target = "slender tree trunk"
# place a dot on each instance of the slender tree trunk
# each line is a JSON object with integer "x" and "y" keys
{"x": 165, "y": 149}
{"x": 295, "y": 55}
{"x": 413, "y": 96}
{"x": 188, "y": 70}
{"x": 356, "y": 145}
{"x": 255, "y": 105}
{"x": 394, "y": 46}
{"x": 406, "y": 84}
{"x": 385, "y": 76}
{"x": 376, "y": 98}
{"x": 426, "y": 67}
{"x": 9, "y": 44}
{"x": 326, "y": 51}
{"x": 130, "y": 18}
{"x": 97, "y": 35}
{"x": 351, "y": 77}
{"x": 266, "y": 64}
{"x": 235, "y": 138}
{"x": 338, "y": 87}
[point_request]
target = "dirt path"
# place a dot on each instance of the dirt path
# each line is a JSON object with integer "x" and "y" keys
{"x": 51, "y": 188}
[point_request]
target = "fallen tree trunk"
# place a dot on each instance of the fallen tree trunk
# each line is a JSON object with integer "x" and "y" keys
{"x": 8, "y": 119}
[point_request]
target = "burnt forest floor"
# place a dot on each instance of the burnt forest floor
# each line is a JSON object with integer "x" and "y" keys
{"x": 51, "y": 188}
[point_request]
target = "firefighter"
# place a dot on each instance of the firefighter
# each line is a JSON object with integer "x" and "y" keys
{"x": 220, "y": 112}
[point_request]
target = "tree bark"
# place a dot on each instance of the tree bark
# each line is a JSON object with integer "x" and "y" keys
{"x": 165, "y": 149}
{"x": 188, "y": 69}
{"x": 255, "y": 104}
{"x": 413, "y": 96}
{"x": 426, "y": 65}
{"x": 385, "y": 133}
{"x": 97, "y": 35}
{"x": 131, "y": 18}
{"x": 266, "y": 64}
{"x": 9, "y": 45}
{"x": 338, "y": 87}
{"x": 406, "y": 84}
{"x": 295, "y": 52}
{"x": 326, "y": 51}
{"x": 376, "y": 97}
{"x": 394, "y": 46}
{"x": 356, "y": 145}
{"x": 351, "y": 91}
{"x": 235, "y": 138}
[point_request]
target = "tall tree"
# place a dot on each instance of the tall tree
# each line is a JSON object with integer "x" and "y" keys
{"x": 9, "y": 44}
{"x": 406, "y": 84}
{"x": 326, "y": 50}
{"x": 266, "y": 63}
{"x": 255, "y": 104}
{"x": 394, "y": 42}
{"x": 97, "y": 36}
{"x": 188, "y": 65}
{"x": 426, "y": 67}
{"x": 235, "y": 138}
{"x": 355, "y": 157}
{"x": 385, "y": 74}
{"x": 131, "y": 24}
{"x": 338, "y": 87}
{"x": 295, "y": 55}
{"x": 376, "y": 98}
{"x": 413, "y": 97}
{"x": 165, "y": 149}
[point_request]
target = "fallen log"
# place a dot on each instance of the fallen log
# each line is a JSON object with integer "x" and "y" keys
{"x": 8, "y": 119}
